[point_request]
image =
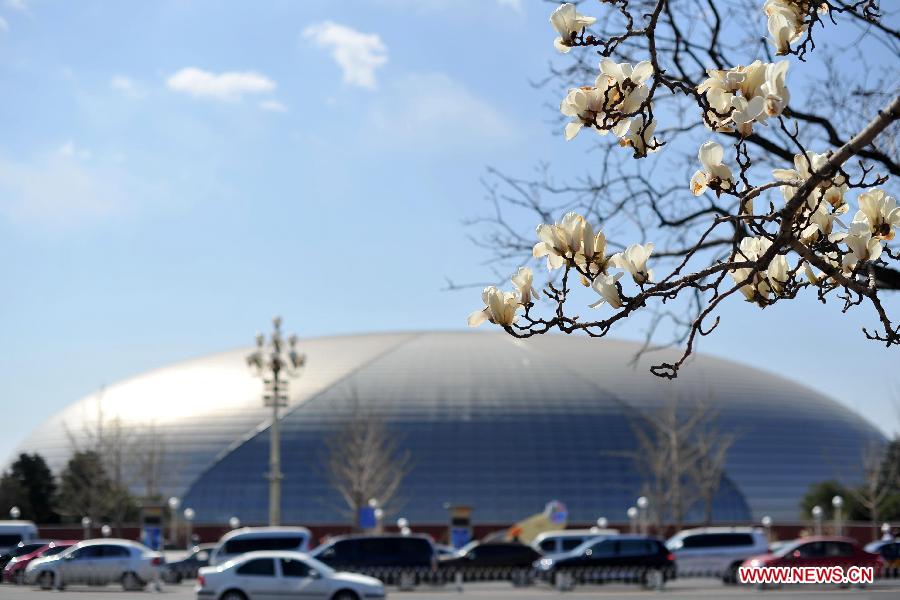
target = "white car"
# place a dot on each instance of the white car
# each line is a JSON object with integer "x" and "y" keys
{"x": 253, "y": 539}
{"x": 271, "y": 575}
{"x": 97, "y": 562}
{"x": 716, "y": 551}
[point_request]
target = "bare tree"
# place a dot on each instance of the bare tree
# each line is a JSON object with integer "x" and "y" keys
{"x": 681, "y": 454}
{"x": 735, "y": 236}
{"x": 880, "y": 478}
{"x": 364, "y": 462}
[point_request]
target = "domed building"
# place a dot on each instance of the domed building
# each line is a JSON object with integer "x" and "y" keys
{"x": 499, "y": 424}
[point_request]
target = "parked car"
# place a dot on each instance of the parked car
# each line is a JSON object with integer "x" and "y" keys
{"x": 97, "y": 562}
{"x": 12, "y": 533}
{"x": 491, "y": 560}
{"x": 270, "y": 575}
{"x": 819, "y": 551}
{"x": 716, "y": 551}
{"x": 626, "y": 558}
{"x": 252, "y": 539}
{"x": 889, "y": 552}
{"x": 566, "y": 540}
{"x": 188, "y": 567}
{"x": 18, "y": 550}
{"x": 14, "y": 571}
{"x": 395, "y": 559}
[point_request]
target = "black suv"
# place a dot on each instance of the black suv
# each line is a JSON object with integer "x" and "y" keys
{"x": 491, "y": 561}
{"x": 391, "y": 558}
{"x": 627, "y": 558}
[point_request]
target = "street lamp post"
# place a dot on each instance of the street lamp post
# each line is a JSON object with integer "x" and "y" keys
{"x": 632, "y": 517}
{"x": 86, "y": 527}
{"x": 767, "y": 525}
{"x": 174, "y": 504}
{"x": 15, "y": 513}
{"x": 817, "y": 517}
{"x": 270, "y": 362}
{"x": 189, "y": 521}
{"x": 234, "y": 522}
{"x": 106, "y": 531}
{"x": 403, "y": 526}
{"x": 602, "y": 523}
{"x": 838, "y": 503}
{"x": 642, "y": 504}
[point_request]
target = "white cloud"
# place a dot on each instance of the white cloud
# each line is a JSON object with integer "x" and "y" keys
{"x": 513, "y": 4}
{"x": 228, "y": 86}
{"x": 71, "y": 150}
{"x": 357, "y": 54}
{"x": 434, "y": 110}
{"x": 126, "y": 86}
{"x": 273, "y": 106}
{"x": 61, "y": 191}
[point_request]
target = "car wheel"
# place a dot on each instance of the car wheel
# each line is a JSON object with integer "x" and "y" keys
{"x": 654, "y": 579}
{"x": 345, "y": 595}
{"x": 233, "y": 595}
{"x": 731, "y": 574}
{"x": 132, "y": 583}
{"x": 46, "y": 581}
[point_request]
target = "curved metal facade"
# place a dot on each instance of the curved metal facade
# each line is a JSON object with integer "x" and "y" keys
{"x": 500, "y": 424}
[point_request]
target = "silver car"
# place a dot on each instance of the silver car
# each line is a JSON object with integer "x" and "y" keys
{"x": 98, "y": 562}
{"x": 275, "y": 575}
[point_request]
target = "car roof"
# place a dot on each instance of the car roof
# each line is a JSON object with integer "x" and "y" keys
{"x": 826, "y": 538}
{"x": 703, "y": 530}
{"x": 266, "y": 532}
{"x": 380, "y": 536}
{"x": 107, "y": 541}
{"x": 270, "y": 554}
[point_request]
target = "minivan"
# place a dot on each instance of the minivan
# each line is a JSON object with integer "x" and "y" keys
{"x": 716, "y": 551}
{"x": 566, "y": 540}
{"x": 250, "y": 539}
{"x": 386, "y": 556}
{"x": 13, "y": 532}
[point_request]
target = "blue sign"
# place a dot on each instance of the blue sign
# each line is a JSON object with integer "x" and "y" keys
{"x": 367, "y": 518}
{"x": 152, "y": 537}
{"x": 460, "y": 536}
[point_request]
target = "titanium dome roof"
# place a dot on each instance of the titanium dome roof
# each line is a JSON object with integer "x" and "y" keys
{"x": 501, "y": 424}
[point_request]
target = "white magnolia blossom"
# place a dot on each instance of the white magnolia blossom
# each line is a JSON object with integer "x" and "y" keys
{"x": 605, "y": 285}
{"x": 745, "y": 95}
{"x": 612, "y": 104}
{"x": 786, "y": 21}
{"x": 566, "y": 20}
{"x": 861, "y": 244}
{"x": 500, "y": 308}
{"x": 830, "y": 190}
{"x": 764, "y": 282}
{"x": 523, "y": 281}
{"x": 634, "y": 260}
{"x": 820, "y": 218}
{"x": 561, "y": 241}
{"x": 714, "y": 173}
{"x": 879, "y": 212}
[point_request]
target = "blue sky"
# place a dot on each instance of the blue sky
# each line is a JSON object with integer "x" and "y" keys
{"x": 173, "y": 173}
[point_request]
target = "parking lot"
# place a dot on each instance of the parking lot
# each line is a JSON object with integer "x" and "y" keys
{"x": 682, "y": 589}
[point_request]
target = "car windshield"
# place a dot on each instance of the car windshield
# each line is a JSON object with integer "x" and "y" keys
{"x": 55, "y": 550}
{"x": 319, "y": 566}
{"x": 787, "y": 549}
{"x": 26, "y": 549}
{"x": 583, "y": 547}
{"x": 467, "y": 548}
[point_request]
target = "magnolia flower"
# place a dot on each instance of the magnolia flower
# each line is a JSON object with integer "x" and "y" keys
{"x": 861, "y": 244}
{"x": 820, "y": 218}
{"x": 714, "y": 173}
{"x": 560, "y": 241}
{"x": 605, "y": 285}
{"x": 830, "y": 190}
{"x": 568, "y": 21}
{"x": 783, "y": 32}
{"x": 746, "y": 112}
{"x": 773, "y": 90}
{"x": 880, "y": 212}
{"x": 761, "y": 283}
{"x": 593, "y": 250}
{"x": 643, "y": 142}
{"x": 500, "y": 308}
{"x": 624, "y": 74}
{"x": 523, "y": 281}
{"x": 583, "y": 104}
{"x": 634, "y": 260}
